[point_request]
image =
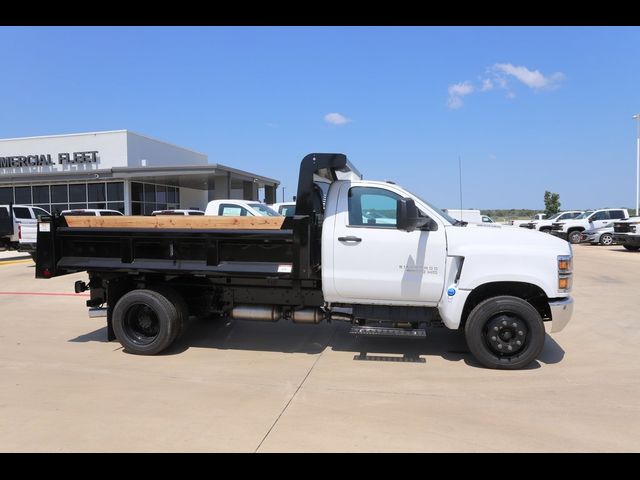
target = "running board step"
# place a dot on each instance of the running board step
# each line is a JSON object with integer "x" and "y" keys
{"x": 365, "y": 331}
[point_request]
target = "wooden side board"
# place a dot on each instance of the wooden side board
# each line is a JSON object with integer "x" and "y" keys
{"x": 177, "y": 221}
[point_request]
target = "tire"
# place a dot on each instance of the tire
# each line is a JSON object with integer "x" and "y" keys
{"x": 545, "y": 230}
{"x": 574, "y": 237}
{"x": 145, "y": 322}
{"x": 501, "y": 314}
{"x": 633, "y": 248}
{"x": 180, "y": 304}
{"x": 606, "y": 239}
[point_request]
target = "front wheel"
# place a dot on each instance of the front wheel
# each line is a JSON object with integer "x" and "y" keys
{"x": 505, "y": 333}
{"x": 633, "y": 248}
{"x": 575, "y": 237}
{"x": 606, "y": 239}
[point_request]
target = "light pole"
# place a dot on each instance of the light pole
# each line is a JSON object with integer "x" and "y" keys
{"x": 283, "y": 194}
{"x": 637, "y": 117}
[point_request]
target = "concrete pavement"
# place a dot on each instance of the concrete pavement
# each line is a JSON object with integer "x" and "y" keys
{"x": 248, "y": 387}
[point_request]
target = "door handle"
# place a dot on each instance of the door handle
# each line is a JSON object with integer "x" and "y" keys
{"x": 349, "y": 239}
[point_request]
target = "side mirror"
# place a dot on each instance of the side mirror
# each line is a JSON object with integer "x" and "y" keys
{"x": 408, "y": 218}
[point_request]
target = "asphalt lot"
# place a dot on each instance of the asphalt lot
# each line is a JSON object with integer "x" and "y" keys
{"x": 249, "y": 387}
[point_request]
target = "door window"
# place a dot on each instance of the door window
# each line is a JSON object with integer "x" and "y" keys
{"x": 21, "y": 212}
{"x": 604, "y": 215}
{"x": 616, "y": 214}
{"x": 229, "y": 210}
{"x": 372, "y": 207}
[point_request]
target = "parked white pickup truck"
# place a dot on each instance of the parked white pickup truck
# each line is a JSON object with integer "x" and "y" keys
{"x": 18, "y": 227}
{"x": 571, "y": 230}
{"x": 240, "y": 208}
{"x": 373, "y": 255}
{"x": 546, "y": 224}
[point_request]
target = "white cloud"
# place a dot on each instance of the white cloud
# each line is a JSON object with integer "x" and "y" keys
{"x": 457, "y": 91}
{"x": 499, "y": 76}
{"x": 487, "y": 85}
{"x": 336, "y": 119}
{"x": 531, "y": 78}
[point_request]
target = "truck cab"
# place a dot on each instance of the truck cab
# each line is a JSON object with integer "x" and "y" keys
{"x": 545, "y": 225}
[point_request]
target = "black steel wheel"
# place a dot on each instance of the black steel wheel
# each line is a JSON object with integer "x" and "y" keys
{"x": 606, "y": 239}
{"x": 505, "y": 332}
{"x": 145, "y": 322}
{"x": 633, "y": 248}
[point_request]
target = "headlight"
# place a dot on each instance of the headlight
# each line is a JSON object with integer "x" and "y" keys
{"x": 633, "y": 228}
{"x": 565, "y": 273}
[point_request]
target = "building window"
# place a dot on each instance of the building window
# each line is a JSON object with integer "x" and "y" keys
{"x": 23, "y": 195}
{"x": 6, "y": 195}
{"x": 78, "y": 193}
{"x": 96, "y": 192}
{"x": 115, "y": 192}
{"x": 59, "y": 194}
{"x": 148, "y": 197}
{"x": 41, "y": 194}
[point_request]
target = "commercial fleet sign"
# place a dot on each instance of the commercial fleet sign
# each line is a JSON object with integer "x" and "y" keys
{"x": 49, "y": 159}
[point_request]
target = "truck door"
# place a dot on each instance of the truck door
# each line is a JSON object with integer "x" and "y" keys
{"x": 374, "y": 261}
{"x": 600, "y": 219}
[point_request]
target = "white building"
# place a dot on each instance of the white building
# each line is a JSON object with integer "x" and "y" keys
{"x": 121, "y": 170}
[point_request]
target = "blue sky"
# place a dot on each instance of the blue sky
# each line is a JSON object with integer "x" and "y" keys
{"x": 526, "y": 108}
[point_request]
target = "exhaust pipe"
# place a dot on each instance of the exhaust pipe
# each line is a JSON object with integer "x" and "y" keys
{"x": 256, "y": 312}
{"x": 307, "y": 315}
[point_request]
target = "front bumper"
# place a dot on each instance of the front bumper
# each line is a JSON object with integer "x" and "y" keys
{"x": 626, "y": 239}
{"x": 561, "y": 310}
{"x": 591, "y": 238}
{"x": 560, "y": 234}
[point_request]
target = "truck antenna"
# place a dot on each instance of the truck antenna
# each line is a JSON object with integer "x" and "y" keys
{"x": 460, "y": 170}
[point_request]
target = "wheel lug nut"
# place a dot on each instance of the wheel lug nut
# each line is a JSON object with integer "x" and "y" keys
{"x": 499, "y": 345}
{"x": 520, "y": 333}
{"x": 493, "y": 338}
{"x": 514, "y": 325}
{"x": 504, "y": 322}
{"x": 495, "y": 328}
{"x": 518, "y": 342}
{"x": 509, "y": 348}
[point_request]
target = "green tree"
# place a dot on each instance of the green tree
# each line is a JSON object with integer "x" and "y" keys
{"x": 551, "y": 203}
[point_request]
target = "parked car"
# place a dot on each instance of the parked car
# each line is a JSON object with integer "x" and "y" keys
{"x": 288, "y": 209}
{"x": 546, "y": 224}
{"x": 90, "y": 212}
{"x": 187, "y": 211}
{"x": 240, "y": 208}
{"x": 598, "y": 236}
{"x": 571, "y": 230}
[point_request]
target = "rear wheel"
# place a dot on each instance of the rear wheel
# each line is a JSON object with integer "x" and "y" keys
{"x": 633, "y": 248}
{"x": 145, "y": 322}
{"x": 505, "y": 333}
{"x": 606, "y": 239}
{"x": 575, "y": 237}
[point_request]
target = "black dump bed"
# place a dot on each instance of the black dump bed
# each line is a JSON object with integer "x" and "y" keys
{"x": 290, "y": 250}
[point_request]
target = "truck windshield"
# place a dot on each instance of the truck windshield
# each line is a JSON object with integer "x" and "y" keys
{"x": 584, "y": 215}
{"x": 448, "y": 218}
{"x": 264, "y": 210}
{"x": 553, "y": 217}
